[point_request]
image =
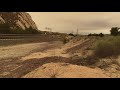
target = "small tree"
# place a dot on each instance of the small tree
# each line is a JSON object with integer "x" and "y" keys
{"x": 71, "y": 34}
{"x": 114, "y": 31}
{"x": 90, "y": 34}
{"x": 101, "y": 35}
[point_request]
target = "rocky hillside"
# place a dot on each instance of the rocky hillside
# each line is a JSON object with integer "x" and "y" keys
{"x": 17, "y": 20}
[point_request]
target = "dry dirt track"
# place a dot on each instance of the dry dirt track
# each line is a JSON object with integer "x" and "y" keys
{"x": 11, "y": 65}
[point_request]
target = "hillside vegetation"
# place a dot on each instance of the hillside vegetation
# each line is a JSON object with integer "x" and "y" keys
{"x": 5, "y": 29}
{"x": 107, "y": 47}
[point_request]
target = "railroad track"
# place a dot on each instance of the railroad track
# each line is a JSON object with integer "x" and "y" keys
{"x": 19, "y": 36}
{"x": 29, "y": 37}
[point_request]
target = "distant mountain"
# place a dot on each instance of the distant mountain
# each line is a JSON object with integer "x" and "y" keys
{"x": 17, "y": 20}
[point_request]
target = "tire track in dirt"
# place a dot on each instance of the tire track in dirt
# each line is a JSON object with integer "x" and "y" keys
{"x": 15, "y": 67}
{"x": 30, "y": 65}
{"x": 81, "y": 46}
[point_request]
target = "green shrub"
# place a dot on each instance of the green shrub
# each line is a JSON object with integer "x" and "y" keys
{"x": 107, "y": 47}
{"x": 114, "y": 31}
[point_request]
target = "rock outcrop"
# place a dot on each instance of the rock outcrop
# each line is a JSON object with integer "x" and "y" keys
{"x": 17, "y": 20}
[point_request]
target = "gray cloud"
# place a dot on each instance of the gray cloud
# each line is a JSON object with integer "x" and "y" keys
{"x": 70, "y": 21}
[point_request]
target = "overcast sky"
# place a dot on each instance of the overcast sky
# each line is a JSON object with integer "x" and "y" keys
{"x": 85, "y": 22}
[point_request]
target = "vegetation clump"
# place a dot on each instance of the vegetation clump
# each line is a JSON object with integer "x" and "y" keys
{"x": 114, "y": 31}
{"x": 5, "y": 29}
{"x": 65, "y": 40}
{"x": 100, "y": 35}
{"x": 72, "y": 34}
{"x": 107, "y": 47}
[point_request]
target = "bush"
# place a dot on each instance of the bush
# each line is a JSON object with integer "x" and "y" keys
{"x": 71, "y": 34}
{"x": 107, "y": 47}
{"x": 4, "y": 28}
{"x": 100, "y": 35}
{"x": 65, "y": 40}
{"x": 114, "y": 31}
{"x": 90, "y": 34}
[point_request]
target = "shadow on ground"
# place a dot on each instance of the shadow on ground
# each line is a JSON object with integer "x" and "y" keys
{"x": 30, "y": 65}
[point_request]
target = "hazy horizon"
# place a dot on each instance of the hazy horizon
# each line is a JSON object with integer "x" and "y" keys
{"x": 85, "y": 22}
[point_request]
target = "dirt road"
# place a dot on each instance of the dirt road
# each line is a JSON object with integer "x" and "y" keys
{"x": 11, "y": 64}
{"x": 45, "y": 59}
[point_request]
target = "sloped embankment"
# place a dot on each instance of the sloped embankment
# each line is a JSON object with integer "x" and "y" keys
{"x": 65, "y": 70}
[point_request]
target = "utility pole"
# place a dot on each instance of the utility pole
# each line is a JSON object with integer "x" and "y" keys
{"x": 50, "y": 29}
{"x": 77, "y": 32}
{"x": 72, "y": 32}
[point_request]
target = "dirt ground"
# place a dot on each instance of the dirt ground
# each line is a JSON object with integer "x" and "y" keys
{"x": 65, "y": 70}
{"x": 48, "y": 60}
{"x": 11, "y": 64}
{"x": 58, "y": 63}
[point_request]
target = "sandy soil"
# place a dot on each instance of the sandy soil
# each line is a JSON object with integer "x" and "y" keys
{"x": 64, "y": 70}
{"x": 11, "y": 64}
{"x": 47, "y": 53}
{"x": 24, "y": 49}
{"x": 66, "y": 50}
{"x": 47, "y": 60}
{"x": 18, "y": 50}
